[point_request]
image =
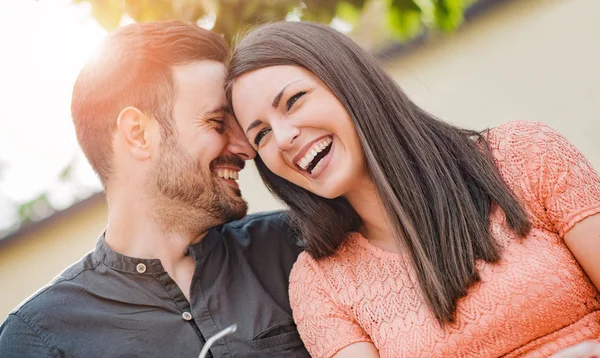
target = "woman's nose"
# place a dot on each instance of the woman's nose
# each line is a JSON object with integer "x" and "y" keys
{"x": 285, "y": 134}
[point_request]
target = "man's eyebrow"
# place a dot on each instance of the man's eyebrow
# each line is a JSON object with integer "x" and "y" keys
{"x": 254, "y": 124}
{"x": 277, "y": 98}
{"x": 213, "y": 112}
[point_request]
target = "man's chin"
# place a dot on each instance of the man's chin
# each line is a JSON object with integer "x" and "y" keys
{"x": 228, "y": 204}
{"x": 235, "y": 190}
{"x": 234, "y": 208}
{"x": 239, "y": 210}
{"x": 235, "y": 197}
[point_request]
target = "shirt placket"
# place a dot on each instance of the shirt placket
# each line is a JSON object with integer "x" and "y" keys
{"x": 185, "y": 309}
{"x": 206, "y": 323}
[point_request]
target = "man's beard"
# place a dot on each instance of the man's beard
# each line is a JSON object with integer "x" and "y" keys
{"x": 190, "y": 197}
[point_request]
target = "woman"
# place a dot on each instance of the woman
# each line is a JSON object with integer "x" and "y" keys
{"x": 422, "y": 239}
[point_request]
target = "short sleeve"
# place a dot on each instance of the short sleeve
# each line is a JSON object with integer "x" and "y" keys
{"x": 325, "y": 325}
{"x": 554, "y": 173}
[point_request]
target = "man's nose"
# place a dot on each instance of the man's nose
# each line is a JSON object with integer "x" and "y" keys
{"x": 238, "y": 143}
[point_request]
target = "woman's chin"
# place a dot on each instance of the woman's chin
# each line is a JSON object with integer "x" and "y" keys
{"x": 328, "y": 192}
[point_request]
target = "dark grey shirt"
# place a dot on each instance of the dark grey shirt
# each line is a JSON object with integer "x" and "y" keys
{"x": 110, "y": 305}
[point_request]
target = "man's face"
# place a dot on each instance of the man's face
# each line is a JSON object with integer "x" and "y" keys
{"x": 198, "y": 165}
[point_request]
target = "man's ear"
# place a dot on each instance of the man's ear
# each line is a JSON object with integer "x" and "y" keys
{"x": 136, "y": 130}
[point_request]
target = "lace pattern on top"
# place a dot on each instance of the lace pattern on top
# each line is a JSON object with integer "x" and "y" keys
{"x": 534, "y": 302}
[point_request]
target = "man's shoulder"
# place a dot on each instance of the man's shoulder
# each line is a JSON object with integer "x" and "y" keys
{"x": 268, "y": 228}
{"x": 277, "y": 217}
{"x": 57, "y": 290}
{"x": 27, "y": 331}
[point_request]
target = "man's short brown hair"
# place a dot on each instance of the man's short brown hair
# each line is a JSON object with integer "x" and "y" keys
{"x": 134, "y": 68}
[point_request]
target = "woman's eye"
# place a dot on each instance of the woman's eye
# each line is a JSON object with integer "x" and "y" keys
{"x": 260, "y": 135}
{"x": 290, "y": 102}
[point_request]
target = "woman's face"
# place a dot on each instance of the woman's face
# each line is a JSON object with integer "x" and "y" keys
{"x": 300, "y": 129}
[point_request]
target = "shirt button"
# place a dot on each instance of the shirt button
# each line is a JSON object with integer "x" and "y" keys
{"x": 141, "y": 268}
{"x": 186, "y": 316}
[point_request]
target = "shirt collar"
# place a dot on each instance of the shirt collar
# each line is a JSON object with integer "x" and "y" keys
{"x": 201, "y": 249}
{"x": 123, "y": 263}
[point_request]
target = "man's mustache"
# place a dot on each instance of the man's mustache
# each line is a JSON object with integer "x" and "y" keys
{"x": 231, "y": 160}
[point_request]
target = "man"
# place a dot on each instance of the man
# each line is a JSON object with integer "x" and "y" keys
{"x": 149, "y": 113}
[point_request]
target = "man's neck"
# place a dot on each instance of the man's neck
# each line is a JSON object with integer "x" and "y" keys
{"x": 141, "y": 229}
{"x": 138, "y": 234}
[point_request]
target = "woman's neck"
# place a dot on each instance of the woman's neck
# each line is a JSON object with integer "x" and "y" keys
{"x": 367, "y": 203}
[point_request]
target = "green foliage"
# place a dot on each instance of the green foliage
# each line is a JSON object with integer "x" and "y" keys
{"x": 40, "y": 206}
{"x": 349, "y": 12}
{"x": 35, "y": 209}
{"x": 405, "y": 18}
{"x": 448, "y": 14}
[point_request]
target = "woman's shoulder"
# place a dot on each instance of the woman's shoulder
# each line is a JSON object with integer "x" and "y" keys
{"x": 518, "y": 145}
{"x": 545, "y": 171}
{"x": 516, "y": 134}
{"x": 327, "y": 267}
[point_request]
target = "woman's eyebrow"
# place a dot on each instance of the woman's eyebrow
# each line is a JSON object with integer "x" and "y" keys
{"x": 277, "y": 98}
{"x": 254, "y": 124}
{"x": 275, "y": 104}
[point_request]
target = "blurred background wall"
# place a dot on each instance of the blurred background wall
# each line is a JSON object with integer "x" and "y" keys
{"x": 518, "y": 59}
{"x": 529, "y": 60}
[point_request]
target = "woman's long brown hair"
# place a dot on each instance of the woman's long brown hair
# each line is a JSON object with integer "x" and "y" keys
{"x": 438, "y": 183}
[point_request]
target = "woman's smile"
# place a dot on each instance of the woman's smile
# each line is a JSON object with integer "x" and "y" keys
{"x": 314, "y": 156}
{"x": 300, "y": 129}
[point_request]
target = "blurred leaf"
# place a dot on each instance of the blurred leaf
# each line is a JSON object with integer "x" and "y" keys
{"x": 359, "y": 4}
{"x": 349, "y": 12}
{"x": 149, "y": 10}
{"x": 234, "y": 16}
{"x": 66, "y": 173}
{"x": 35, "y": 209}
{"x": 189, "y": 10}
{"x": 448, "y": 14}
{"x": 319, "y": 10}
{"x": 404, "y": 18}
{"x": 225, "y": 24}
{"x": 108, "y": 13}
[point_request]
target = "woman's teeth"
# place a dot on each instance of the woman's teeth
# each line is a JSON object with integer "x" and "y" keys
{"x": 312, "y": 153}
{"x": 227, "y": 174}
{"x": 318, "y": 165}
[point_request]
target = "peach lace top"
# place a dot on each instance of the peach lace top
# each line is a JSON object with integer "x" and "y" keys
{"x": 534, "y": 302}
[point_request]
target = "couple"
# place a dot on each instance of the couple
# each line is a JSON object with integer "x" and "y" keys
{"x": 420, "y": 239}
